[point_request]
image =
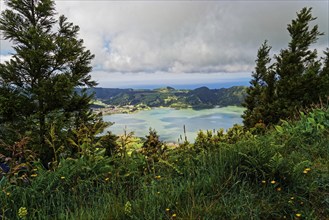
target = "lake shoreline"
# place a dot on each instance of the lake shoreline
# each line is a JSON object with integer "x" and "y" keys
{"x": 131, "y": 109}
{"x": 170, "y": 122}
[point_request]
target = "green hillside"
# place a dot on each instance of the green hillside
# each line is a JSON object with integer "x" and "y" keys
{"x": 170, "y": 97}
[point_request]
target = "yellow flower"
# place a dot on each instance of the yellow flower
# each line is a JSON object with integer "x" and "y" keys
{"x": 34, "y": 175}
{"x": 292, "y": 198}
{"x": 278, "y": 189}
{"x": 305, "y": 171}
{"x": 273, "y": 182}
{"x": 22, "y": 212}
{"x": 158, "y": 177}
{"x": 62, "y": 177}
{"x": 35, "y": 169}
{"x": 167, "y": 209}
{"x": 107, "y": 179}
{"x": 174, "y": 215}
{"x": 263, "y": 181}
{"x": 308, "y": 169}
{"x": 298, "y": 215}
{"x": 8, "y": 193}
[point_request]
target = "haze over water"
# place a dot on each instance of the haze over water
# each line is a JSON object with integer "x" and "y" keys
{"x": 169, "y": 122}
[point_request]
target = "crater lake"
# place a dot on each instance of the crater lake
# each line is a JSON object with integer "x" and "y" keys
{"x": 169, "y": 122}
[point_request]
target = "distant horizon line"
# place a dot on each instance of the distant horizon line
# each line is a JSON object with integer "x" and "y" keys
{"x": 179, "y": 86}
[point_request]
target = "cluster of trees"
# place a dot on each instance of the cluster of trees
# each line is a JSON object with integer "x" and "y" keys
{"x": 37, "y": 86}
{"x": 296, "y": 80}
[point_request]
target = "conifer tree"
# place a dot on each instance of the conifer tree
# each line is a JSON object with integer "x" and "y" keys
{"x": 37, "y": 86}
{"x": 256, "y": 95}
{"x": 297, "y": 67}
{"x": 153, "y": 146}
{"x": 294, "y": 81}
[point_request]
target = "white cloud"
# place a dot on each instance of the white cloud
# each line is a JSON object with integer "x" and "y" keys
{"x": 183, "y": 36}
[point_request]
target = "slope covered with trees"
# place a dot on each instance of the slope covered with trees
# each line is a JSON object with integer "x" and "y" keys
{"x": 202, "y": 97}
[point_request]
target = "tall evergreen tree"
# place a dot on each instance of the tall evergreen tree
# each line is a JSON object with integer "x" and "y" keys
{"x": 37, "y": 86}
{"x": 297, "y": 67}
{"x": 294, "y": 81}
{"x": 256, "y": 95}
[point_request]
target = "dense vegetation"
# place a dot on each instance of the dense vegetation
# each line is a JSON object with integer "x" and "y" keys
{"x": 54, "y": 164}
{"x": 283, "y": 174}
{"x": 169, "y": 97}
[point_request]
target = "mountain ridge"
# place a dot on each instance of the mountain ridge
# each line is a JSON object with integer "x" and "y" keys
{"x": 201, "y": 97}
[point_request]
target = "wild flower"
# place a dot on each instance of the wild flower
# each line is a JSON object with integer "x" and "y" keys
{"x": 107, "y": 179}
{"x": 278, "y": 189}
{"x": 167, "y": 209}
{"x": 8, "y": 193}
{"x": 298, "y": 215}
{"x": 273, "y": 182}
{"x": 174, "y": 215}
{"x": 22, "y": 212}
{"x": 34, "y": 175}
{"x": 62, "y": 177}
{"x": 158, "y": 177}
{"x": 306, "y": 170}
{"x": 263, "y": 181}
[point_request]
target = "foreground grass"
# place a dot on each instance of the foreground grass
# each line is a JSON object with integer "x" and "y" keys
{"x": 280, "y": 175}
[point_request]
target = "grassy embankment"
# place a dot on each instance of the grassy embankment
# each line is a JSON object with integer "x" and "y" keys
{"x": 282, "y": 174}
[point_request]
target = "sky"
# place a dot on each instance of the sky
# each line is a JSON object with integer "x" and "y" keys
{"x": 184, "y": 44}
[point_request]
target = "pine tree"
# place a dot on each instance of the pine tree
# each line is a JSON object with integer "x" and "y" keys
{"x": 153, "y": 146}
{"x": 293, "y": 82}
{"x": 37, "y": 86}
{"x": 297, "y": 67}
{"x": 256, "y": 92}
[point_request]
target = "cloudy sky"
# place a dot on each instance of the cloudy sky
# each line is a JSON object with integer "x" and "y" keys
{"x": 181, "y": 43}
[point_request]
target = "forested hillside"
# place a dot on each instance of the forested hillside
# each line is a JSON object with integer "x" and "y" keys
{"x": 169, "y": 97}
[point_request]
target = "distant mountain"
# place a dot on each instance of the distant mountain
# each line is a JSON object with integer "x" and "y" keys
{"x": 202, "y": 97}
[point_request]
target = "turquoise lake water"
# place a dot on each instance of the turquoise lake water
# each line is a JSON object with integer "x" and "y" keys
{"x": 169, "y": 122}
